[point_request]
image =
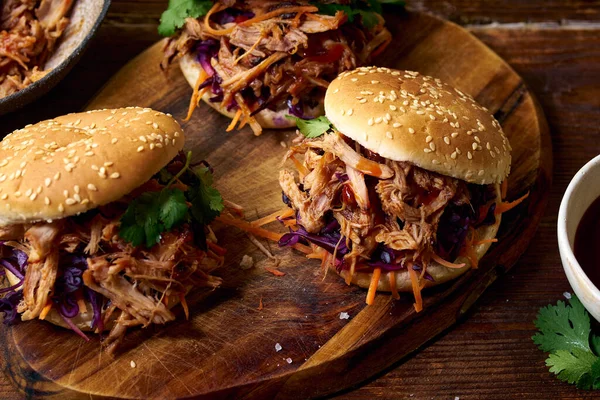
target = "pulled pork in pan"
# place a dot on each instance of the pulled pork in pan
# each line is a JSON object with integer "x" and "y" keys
{"x": 29, "y": 30}
{"x": 277, "y": 55}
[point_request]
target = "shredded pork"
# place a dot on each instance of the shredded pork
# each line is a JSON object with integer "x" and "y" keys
{"x": 29, "y": 30}
{"x": 273, "y": 54}
{"x": 139, "y": 283}
{"x": 392, "y": 203}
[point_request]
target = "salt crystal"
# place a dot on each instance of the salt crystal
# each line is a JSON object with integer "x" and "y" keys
{"x": 344, "y": 315}
{"x": 278, "y": 347}
{"x": 567, "y": 295}
{"x": 289, "y": 360}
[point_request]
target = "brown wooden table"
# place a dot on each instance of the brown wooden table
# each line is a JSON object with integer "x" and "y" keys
{"x": 555, "y": 46}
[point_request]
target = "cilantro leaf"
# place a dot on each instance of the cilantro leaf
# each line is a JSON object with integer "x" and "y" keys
{"x": 173, "y": 208}
{"x": 563, "y": 327}
{"x": 595, "y": 344}
{"x": 571, "y": 366}
{"x": 207, "y": 202}
{"x": 174, "y": 16}
{"x": 312, "y": 128}
{"x": 366, "y": 10}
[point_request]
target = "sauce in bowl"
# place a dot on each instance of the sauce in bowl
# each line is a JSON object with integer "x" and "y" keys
{"x": 587, "y": 242}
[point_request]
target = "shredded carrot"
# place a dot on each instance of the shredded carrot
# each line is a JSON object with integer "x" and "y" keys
{"x": 234, "y": 121}
{"x": 46, "y": 309}
{"x": 506, "y": 206}
{"x": 290, "y": 223}
{"x": 211, "y": 30}
{"x": 283, "y": 213}
{"x": 165, "y": 300}
{"x": 445, "y": 263}
{"x": 301, "y": 168}
{"x": 469, "y": 250}
{"x": 184, "y": 304}
{"x": 260, "y": 304}
{"x": 216, "y": 248}
{"x": 81, "y": 302}
{"x": 248, "y": 227}
{"x": 244, "y": 122}
{"x": 503, "y": 188}
{"x": 373, "y": 286}
{"x": 393, "y": 287}
{"x": 275, "y": 272}
{"x": 283, "y": 10}
{"x": 197, "y": 95}
{"x": 381, "y": 47}
{"x": 484, "y": 241}
{"x": 416, "y": 289}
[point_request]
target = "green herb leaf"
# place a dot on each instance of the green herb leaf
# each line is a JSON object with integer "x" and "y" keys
{"x": 154, "y": 213}
{"x": 563, "y": 327}
{"x": 572, "y": 365}
{"x": 178, "y": 10}
{"x": 367, "y": 10}
{"x": 207, "y": 202}
{"x": 173, "y": 208}
{"x": 312, "y": 128}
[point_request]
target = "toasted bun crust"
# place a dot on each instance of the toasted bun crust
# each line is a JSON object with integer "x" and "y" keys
{"x": 74, "y": 163}
{"x": 405, "y": 116}
{"x": 268, "y": 119}
{"x": 439, "y": 273}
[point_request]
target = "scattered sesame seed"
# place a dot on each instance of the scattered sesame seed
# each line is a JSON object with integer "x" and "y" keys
{"x": 61, "y": 208}
{"x": 469, "y": 155}
{"x": 70, "y": 201}
{"x": 396, "y": 125}
{"x": 155, "y": 125}
{"x": 4, "y": 196}
{"x": 428, "y": 139}
{"x": 140, "y": 149}
{"x": 453, "y": 155}
{"x": 432, "y": 146}
{"x": 370, "y": 122}
{"x": 446, "y": 140}
{"x": 389, "y": 135}
{"x": 114, "y": 140}
{"x": 350, "y": 111}
{"x": 411, "y": 130}
{"x": 33, "y": 196}
{"x": 427, "y": 150}
{"x": 77, "y": 198}
{"x": 115, "y": 175}
{"x": 363, "y": 101}
{"x": 46, "y": 201}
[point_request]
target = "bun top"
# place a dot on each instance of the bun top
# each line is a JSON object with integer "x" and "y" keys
{"x": 405, "y": 116}
{"x": 74, "y": 163}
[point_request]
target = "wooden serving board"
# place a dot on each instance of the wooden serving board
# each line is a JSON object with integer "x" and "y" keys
{"x": 228, "y": 347}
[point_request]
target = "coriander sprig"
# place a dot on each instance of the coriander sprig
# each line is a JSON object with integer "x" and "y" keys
{"x": 565, "y": 333}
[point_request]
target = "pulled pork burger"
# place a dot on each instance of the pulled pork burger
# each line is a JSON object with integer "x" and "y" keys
{"x": 260, "y": 61}
{"x": 400, "y": 185}
{"x": 104, "y": 223}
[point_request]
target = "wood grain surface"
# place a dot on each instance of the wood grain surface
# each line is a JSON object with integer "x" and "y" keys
{"x": 228, "y": 346}
{"x": 490, "y": 353}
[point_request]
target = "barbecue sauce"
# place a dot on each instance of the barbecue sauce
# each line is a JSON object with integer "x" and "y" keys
{"x": 587, "y": 242}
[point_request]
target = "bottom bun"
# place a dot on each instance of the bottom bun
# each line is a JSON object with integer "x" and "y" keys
{"x": 439, "y": 273}
{"x": 268, "y": 119}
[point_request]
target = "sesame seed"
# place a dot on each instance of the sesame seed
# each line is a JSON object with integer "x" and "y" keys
{"x": 77, "y": 198}
{"x": 57, "y": 176}
{"x": 436, "y": 162}
{"x": 17, "y": 194}
{"x": 155, "y": 125}
{"x": 114, "y": 140}
{"x": 393, "y": 107}
{"x": 28, "y": 192}
{"x": 389, "y": 135}
{"x": 458, "y": 151}
{"x": 76, "y": 188}
{"x": 93, "y": 125}
{"x": 469, "y": 155}
{"x": 143, "y": 139}
{"x": 396, "y": 125}
{"x": 363, "y": 101}
{"x": 109, "y": 118}
{"x": 370, "y": 122}
{"x": 411, "y": 130}
{"x": 350, "y": 111}
{"x": 33, "y": 196}
{"x": 159, "y": 145}
{"x": 115, "y": 175}
{"x": 85, "y": 201}
{"x": 388, "y": 116}
{"x": 176, "y": 134}
{"x": 343, "y": 112}
{"x": 378, "y": 120}
{"x": 428, "y": 139}
{"x": 336, "y": 90}
{"x": 108, "y": 164}
{"x": 4, "y": 196}
{"x": 427, "y": 150}
{"x": 61, "y": 208}
{"x": 374, "y": 82}
{"x": 420, "y": 112}
{"x": 151, "y": 146}
{"x": 432, "y": 146}
{"x": 69, "y": 202}
{"x": 453, "y": 155}
{"x": 454, "y": 134}
{"x": 354, "y": 79}
{"x": 140, "y": 149}
{"x": 46, "y": 201}
{"x": 92, "y": 187}
{"x": 446, "y": 140}
{"x": 102, "y": 171}
{"x": 481, "y": 172}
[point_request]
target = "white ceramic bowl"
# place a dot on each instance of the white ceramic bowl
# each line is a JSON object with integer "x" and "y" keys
{"x": 581, "y": 193}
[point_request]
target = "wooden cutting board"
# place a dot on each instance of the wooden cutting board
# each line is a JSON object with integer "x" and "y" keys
{"x": 228, "y": 347}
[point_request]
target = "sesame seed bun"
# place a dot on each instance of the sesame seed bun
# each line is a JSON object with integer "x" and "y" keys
{"x": 74, "y": 163}
{"x": 405, "y": 116}
{"x": 266, "y": 118}
{"x": 439, "y": 273}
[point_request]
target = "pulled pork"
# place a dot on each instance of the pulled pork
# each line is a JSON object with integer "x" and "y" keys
{"x": 29, "y": 30}
{"x": 387, "y": 212}
{"x": 136, "y": 285}
{"x": 273, "y": 55}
